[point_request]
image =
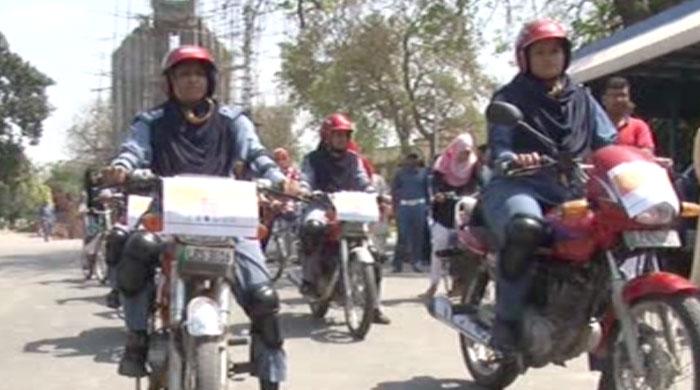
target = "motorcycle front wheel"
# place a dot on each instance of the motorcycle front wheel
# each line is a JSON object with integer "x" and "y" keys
{"x": 211, "y": 364}
{"x": 668, "y": 330}
{"x": 99, "y": 264}
{"x": 360, "y": 298}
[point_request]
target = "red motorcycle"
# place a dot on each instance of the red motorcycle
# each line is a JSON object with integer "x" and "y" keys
{"x": 643, "y": 326}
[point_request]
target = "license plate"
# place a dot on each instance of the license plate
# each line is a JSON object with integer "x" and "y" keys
{"x": 209, "y": 255}
{"x": 652, "y": 239}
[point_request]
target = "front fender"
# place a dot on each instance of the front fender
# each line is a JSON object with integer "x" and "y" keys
{"x": 362, "y": 254}
{"x": 203, "y": 317}
{"x": 651, "y": 284}
{"x": 657, "y": 283}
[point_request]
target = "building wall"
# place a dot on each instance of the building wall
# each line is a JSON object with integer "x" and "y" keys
{"x": 137, "y": 83}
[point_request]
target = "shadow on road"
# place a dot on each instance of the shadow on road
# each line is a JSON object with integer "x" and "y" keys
{"x": 400, "y": 301}
{"x": 428, "y": 383}
{"x": 53, "y": 261}
{"x": 111, "y": 314}
{"x": 97, "y": 299}
{"x": 77, "y": 283}
{"x": 303, "y": 325}
{"x": 105, "y": 344}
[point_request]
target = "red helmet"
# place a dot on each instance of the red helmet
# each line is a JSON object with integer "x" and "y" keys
{"x": 539, "y": 30}
{"x": 335, "y": 122}
{"x": 188, "y": 53}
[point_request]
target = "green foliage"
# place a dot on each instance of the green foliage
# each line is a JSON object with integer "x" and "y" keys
{"x": 274, "y": 124}
{"x": 23, "y": 101}
{"x": 66, "y": 177}
{"x": 406, "y": 66}
{"x": 23, "y": 107}
{"x": 20, "y": 199}
{"x": 92, "y": 139}
{"x": 589, "y": 20}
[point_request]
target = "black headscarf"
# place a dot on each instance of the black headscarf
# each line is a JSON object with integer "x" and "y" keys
{"x": 180, "y": 147}
{"x": 333, "y": 173}
{"x": 563, "y": 117}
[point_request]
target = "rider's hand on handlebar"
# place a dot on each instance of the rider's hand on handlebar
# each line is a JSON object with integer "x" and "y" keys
{"x": 292, "y": 187}
{"x": 439, "y": 197}
{"x": 528, "y": 160}
{"x": 113, "y": 175}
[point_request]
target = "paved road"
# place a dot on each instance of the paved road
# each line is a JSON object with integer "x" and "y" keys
{"x": 57, "y": 335}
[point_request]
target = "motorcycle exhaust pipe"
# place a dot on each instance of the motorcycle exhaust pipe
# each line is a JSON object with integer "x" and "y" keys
{"x": 464, "y": 323}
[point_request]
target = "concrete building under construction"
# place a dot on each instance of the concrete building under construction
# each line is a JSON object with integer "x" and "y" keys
{"x": 137, "y": 82}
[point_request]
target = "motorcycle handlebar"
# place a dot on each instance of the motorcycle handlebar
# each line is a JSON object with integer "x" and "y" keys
{"x": 512, "y": 168}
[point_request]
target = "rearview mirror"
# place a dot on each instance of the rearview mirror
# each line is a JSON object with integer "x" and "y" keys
{"x": 502, "y": 113}
{"x": 506, "y": 114}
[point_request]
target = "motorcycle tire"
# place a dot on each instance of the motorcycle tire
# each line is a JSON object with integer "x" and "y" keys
{"x": 361, "y": 274}
{"x": 87, "y": 268}
{"x": 99, "y": 265}
{"x": 278, "y": 259}
{"x": 687, "y": 309}
{"x": 210, "y": 364}
{"x": 505, "y": 371}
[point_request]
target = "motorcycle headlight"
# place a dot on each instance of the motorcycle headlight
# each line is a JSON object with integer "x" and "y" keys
{"x": 661, "y": 214}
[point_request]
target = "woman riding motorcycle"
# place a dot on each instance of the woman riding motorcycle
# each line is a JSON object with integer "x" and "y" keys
{"x": 192, "y": 134}
{"x": 332, "y": 167}
{"x": 455, "y": 171}
{"x": 513, "y": 206}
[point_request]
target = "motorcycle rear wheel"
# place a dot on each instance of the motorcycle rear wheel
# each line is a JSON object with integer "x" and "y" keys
{"x": 489, "y": 374}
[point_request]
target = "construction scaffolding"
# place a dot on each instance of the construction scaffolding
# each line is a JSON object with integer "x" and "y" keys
{"x": 137, "y": 82}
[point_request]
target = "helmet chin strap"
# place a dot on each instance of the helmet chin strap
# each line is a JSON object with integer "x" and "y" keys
{"x": 335, "y": 152}
{"x": 192, "y": 117}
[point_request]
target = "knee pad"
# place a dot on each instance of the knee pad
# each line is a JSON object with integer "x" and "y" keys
{"x": 116, "y": 239}
{"x": 143, "y": 246}
{"x": 140, "y": 255}
{"x": 312, "y": 232}
{"x": 313, "y": 228}
{"x": 523, "y": 235}
{"x": 263, "y": 309}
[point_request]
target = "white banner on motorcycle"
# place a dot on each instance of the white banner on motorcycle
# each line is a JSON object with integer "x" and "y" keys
{"x": 209, "y": 206}
{"x": 356, "y": 206}
{"x": 641, "y": 185}
{"x": 136, "y": 206}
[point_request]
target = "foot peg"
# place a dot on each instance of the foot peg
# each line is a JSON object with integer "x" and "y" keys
{"x": 240, "y": 368}
{"x": 237, "y": 341}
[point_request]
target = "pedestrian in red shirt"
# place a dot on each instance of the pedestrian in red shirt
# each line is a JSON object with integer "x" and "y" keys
{"x": 619, "y": 106}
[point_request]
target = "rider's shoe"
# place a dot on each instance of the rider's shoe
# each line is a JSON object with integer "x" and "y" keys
{"x": 113, "y": 299}
{"x": 133, "y": 363}
{"x": 308, "y": 289}
{"x": 267, "y": 385}
{"x": 380, "y": 318}
{"x": 504, "y": 336}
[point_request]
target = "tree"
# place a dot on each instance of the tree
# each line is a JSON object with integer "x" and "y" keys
{"x": 24, "y": 104}
{"x": 590, "y": 19}
{"x": 20, "y": 199}
{"x": 274, "y": 125}
{"x": 23, "y": 108}
{"x": 92, "y": 139}
{"x": 407, "y": 66}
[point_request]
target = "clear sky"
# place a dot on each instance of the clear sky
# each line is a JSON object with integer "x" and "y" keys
{"x": 71, "y": 42}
